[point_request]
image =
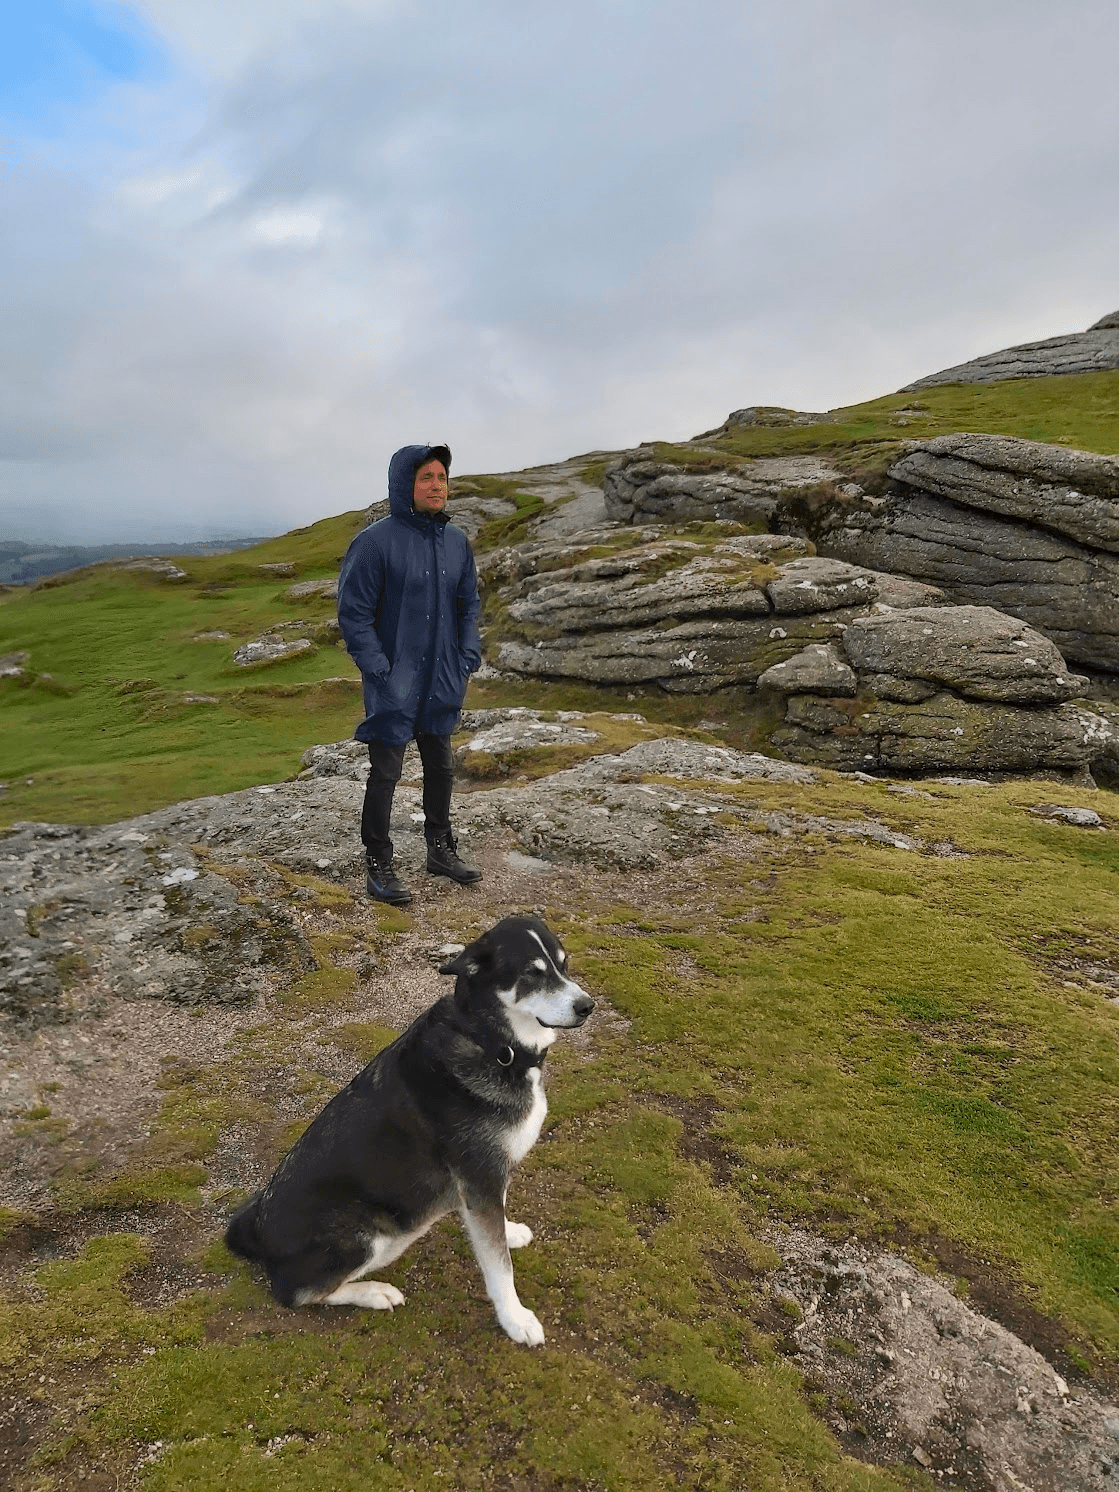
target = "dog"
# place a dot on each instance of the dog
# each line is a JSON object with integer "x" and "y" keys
{"x": 434, "y": 1124}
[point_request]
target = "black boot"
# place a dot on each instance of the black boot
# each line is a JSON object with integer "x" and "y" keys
{"x": 383, "y": 884}
{"x": 443, "y": 860}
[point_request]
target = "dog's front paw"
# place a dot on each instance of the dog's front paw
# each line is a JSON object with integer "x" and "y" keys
{"x": 523, "y": 1326}
{"x": 517, "y": 1234}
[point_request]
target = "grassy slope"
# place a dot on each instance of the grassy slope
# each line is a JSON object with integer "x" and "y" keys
{"x": 893, "y": 1044}
{"x": 790, "y": 1057}
{"x": 97, "y": 747}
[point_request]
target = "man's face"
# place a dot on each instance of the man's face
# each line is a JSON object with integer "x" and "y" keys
{"x": 429, "y": 495}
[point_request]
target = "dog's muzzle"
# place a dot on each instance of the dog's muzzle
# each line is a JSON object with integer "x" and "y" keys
{"x": 580, "y": 1009}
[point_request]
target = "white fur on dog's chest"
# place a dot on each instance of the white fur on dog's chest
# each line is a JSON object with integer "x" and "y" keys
{"x": 522, "y": 1137}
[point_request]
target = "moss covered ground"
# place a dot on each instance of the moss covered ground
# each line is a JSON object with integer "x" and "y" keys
{"x": 899, "y": 1046}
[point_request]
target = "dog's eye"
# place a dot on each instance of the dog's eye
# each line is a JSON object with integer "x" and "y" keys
{"x": 539, "y": 965}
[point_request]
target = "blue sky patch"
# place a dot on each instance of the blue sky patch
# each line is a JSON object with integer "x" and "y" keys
{"x": 57, "y": 54}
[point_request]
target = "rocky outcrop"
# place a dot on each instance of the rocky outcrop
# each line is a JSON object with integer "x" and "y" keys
{"x": 1031, "y": 529}
{"x": 640, "y": 490}
{"x": 936, "y": 689}
{"x": 1093, "y": 351}
{"x": 153, "y": 907}
{"x": 132, "y": 910}
{"x": 869, "y": 671}
{"x": 327, "y": 588}
{"x": 688, "y": 616}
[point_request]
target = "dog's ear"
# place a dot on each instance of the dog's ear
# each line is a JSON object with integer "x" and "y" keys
{"x": 468, "y": 961}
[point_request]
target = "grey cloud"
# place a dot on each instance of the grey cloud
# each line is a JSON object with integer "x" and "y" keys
{"x": 536, "y": 230}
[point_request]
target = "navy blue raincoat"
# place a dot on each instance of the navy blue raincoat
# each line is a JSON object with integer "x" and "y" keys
{"x": 408, "y": 608}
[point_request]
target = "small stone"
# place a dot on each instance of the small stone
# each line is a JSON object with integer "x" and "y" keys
{"x": 1080, "y": 818}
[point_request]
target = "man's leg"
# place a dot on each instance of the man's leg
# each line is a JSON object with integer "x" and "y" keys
{"x": 439, "y": 774}
{"x": 381, "y": 881}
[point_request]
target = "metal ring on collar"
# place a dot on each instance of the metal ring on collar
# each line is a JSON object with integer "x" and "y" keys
{"x": 506, "y": 1061}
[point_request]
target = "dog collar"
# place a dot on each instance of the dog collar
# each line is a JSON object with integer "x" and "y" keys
{"x": 518, "y": 1059}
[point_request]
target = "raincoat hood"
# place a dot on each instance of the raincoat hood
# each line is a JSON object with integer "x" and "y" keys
{"x": 402, "y": 475}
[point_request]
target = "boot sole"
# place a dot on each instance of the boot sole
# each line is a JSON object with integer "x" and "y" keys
{"x": 470, "y": 880}
{"x": 389, "y": 901}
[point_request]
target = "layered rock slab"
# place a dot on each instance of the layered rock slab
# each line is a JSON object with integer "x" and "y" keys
{"x": 1031, "y": 529}
{"x": 721, "y": 617}
{"x": 936, "y": 689}
{"x": 1093, "y": 351}
{"x": 638, "y": 489}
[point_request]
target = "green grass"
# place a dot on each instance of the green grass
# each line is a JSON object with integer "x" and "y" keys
{"x": 876, "y": 1043}
{"x": 1079, "y": 410}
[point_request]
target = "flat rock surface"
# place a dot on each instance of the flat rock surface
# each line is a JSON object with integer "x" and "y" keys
{"x": 1075, "y": 493}
{"x": 954, "y": 1391}
{"x": 1093, "y": 351}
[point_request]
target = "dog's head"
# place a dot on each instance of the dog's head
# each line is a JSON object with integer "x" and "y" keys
{"x": 522, "y": 964}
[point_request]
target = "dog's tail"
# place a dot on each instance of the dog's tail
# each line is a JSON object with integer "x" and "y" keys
{"x": 242, "y": 1236}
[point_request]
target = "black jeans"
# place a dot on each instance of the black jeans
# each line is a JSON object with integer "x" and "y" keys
{"x": 385, "y": 763}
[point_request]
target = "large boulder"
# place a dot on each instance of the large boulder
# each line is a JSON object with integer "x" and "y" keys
{"x": 936, "y": 689}
{"x": 1031, "y": 529}
{"x": 1072, "y": 493}
{"x": 1093, "y": 351}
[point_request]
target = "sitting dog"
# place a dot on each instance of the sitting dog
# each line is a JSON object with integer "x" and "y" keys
{"x": 434, "y": 1124}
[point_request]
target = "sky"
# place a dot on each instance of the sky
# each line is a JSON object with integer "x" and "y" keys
{"x": 250, "y": 247}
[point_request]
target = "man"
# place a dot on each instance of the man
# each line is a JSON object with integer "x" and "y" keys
{"x": 408, "y": 608}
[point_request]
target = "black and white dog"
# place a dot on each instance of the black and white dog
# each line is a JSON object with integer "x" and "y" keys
{"x": 434, "y": 1124}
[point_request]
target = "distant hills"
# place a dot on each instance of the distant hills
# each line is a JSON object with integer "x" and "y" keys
{"x": 21, "y": 563}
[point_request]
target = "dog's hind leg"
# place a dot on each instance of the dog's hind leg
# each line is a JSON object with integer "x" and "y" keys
{"x": 374, "y": 1295}
{"x": 486, "y": 1228}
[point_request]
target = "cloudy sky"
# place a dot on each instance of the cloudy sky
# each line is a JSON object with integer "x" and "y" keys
{"x": 249, "y": 247}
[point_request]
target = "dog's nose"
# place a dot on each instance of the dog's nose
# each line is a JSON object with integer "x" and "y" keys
{"x": 583, "y": 1006}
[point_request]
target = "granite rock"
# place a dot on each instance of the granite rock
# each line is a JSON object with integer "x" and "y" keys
{"x": 1093, "y": 351}
{"x": 1027, "y": 528}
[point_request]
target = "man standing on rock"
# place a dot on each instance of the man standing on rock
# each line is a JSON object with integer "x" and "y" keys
{"x": 408, "y": 608}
